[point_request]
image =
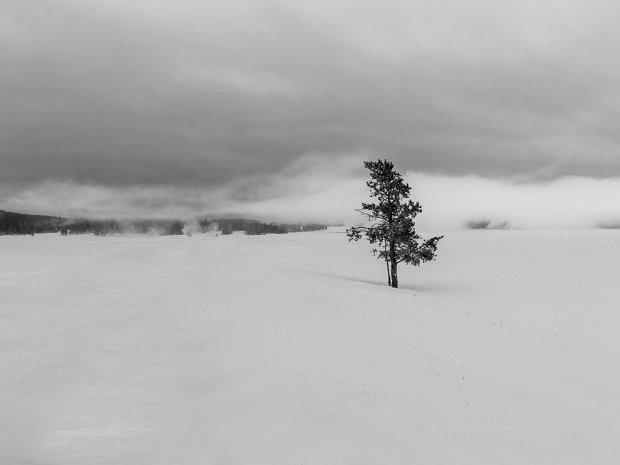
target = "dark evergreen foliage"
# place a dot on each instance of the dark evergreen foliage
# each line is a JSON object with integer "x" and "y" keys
{"x": 21, "y": 223}
{"x": 392, "y": 218}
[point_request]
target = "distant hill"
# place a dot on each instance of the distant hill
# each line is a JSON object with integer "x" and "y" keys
{"x": 22, "y": 223}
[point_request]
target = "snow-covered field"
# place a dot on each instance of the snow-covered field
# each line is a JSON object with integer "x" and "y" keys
{"x": 291, "y": 350}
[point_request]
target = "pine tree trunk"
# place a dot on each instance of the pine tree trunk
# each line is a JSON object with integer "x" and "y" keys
{"x": 394, "y": 273}
{"x": 393, "y": 266}
{"x": 387, "y": 264}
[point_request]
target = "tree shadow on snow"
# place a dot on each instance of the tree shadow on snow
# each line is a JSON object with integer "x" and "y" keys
{"x": 415, "y": 287}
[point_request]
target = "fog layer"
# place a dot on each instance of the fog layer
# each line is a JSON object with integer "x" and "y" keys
{"x": 322, "y": 188}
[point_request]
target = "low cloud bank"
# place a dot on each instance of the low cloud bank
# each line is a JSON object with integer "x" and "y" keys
{"x": 318, "y": 188}
{"x": 571, "y": 202}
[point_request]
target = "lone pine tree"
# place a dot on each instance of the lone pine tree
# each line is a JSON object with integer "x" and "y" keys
{"x": 392, "y": 225}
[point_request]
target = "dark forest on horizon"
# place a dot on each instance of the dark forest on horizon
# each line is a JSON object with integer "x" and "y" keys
{"x": 12, "y": 223}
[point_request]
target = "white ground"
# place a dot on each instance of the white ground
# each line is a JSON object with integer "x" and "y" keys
{"x": 290, "y": 350}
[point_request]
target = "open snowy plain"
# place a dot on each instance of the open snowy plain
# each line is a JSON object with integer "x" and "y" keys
{"x": 291, "y": 350}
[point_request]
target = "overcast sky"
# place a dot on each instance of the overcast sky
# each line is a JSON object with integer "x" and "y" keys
{"x": 151, "y": 99}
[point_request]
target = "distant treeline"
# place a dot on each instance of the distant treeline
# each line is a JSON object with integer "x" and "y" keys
{"x": 109, "y": 227}
{"x": 255, "y": 227}
{"x": 487, "y": 224}
{"x": 20, "y": 223}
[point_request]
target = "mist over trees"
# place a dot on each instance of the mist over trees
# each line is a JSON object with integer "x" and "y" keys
{"x": 392, "y": 225}
{"x": 111, "y": 227}
{"x": 255, "y": 227}
{"x": 21, "y": 223}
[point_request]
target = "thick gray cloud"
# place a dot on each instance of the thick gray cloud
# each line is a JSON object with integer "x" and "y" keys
{"x": 204, "y": 93}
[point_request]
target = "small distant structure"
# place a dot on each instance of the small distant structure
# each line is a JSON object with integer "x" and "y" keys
{"x": 238, "y": 233}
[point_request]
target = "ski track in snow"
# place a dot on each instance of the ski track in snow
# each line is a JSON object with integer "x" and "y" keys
{"x": 290, "y": 349}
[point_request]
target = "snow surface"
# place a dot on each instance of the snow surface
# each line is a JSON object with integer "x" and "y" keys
{"x": 291, "y": 350}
